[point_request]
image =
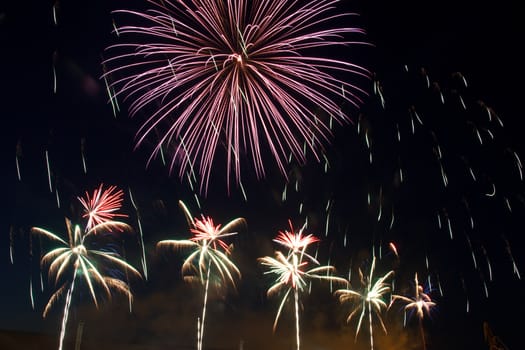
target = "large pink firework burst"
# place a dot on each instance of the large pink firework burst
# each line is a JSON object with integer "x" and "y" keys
{"x": 247, "y": 75}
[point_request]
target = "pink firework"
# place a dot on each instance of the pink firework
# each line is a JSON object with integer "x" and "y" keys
{"x": 205, "y": 230}
{"x": 296, "y": 242}
{"x": 247, "y": 75}
{"x": 102, "y": 206}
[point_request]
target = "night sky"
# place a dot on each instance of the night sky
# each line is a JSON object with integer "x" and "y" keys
{"x": 412, "y": 40}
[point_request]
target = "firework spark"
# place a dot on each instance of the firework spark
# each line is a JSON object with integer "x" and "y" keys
{"x": 240, "y": 74}
{"x": 369, "y": 301}
{"x": 209, "y": 251}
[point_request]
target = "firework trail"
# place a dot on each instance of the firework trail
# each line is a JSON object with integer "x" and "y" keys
{"x": 238, "y": 74}
{"x": 208, "y": 250}
{"x": 369, "y": 301}
{"x": 291, "y": 272}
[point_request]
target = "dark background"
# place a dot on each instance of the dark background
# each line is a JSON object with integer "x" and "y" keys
{"x": 483, "y": 41}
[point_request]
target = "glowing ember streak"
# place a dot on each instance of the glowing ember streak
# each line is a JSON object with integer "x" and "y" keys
{"x": 48, "y": 172}
{"x": 83, "y": 154}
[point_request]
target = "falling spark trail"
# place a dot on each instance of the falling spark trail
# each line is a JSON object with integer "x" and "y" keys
{"x": 243, "y": 192}
{"x": 54, "y": 79}
{"x": 392, "y": 220}
{"x": 48, "y": 172}
{"x": 486, "y": 289}
{"x": 57, "y": 198}
{"x": 488, "y": 262}
{"x": 472, "y": 253}
{"x": 514, "y": 266}
{"x": 11, "y": 245}
{"x": 462, "y": 102}
{"x": 327, "y": 223}
{"x": 449, "y": 228}
{"x": 18, "y": 169}
{"x": 82, "y": 153}
{"x": 31, "y": 292}
{"x": 392, "y": 247}
{"x": 380, "y": 204}
{"x": 55, "y": 19}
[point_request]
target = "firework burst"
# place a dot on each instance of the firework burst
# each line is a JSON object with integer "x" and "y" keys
{"x": 369, "y": 301}
{"x": 102, "y": 206}
{"x": 76, "y": 258}
{"x": 208, "y": 251}
{"x": 420, "y": 304}
{"x": 239, "y": 74}
{"x": 292, "y": 273}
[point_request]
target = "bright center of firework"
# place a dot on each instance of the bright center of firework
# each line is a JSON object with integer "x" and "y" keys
{"x": 79, "y": 250}
{"x": 237, "y": 57}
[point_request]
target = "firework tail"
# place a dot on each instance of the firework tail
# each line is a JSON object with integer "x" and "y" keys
{"x": 66, "y": 314}
{"x": 200, "y": 331}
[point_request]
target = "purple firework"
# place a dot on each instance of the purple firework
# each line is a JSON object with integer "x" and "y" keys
{"x": 244, "y": 74}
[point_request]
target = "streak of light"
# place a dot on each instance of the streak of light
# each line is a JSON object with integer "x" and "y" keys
{"x": 48, "y": 172}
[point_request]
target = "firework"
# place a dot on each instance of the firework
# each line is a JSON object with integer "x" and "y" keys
{"x": 240, "y": 74}
{"x": 102, "y": 206}
{"x": 420, "y": 304}
{"x": 296, "y": 242}
{"x": 292, "y": 273}
{"x": 369, "y": 301}
{"x": 76, "y": 257}
{"x": 208, "y": 251}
